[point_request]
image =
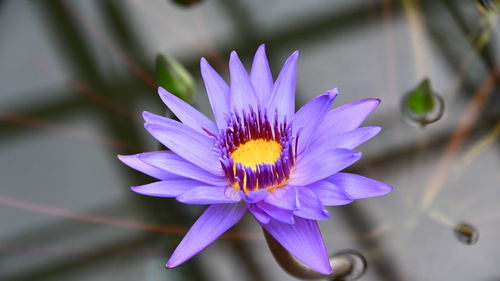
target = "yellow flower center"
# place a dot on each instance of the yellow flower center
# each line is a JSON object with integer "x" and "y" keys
{"x": 259, "y": 151}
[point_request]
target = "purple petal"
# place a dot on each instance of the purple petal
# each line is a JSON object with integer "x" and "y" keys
{"x": 345, "y": 118}
{"x": 314, "y": 167}
{"x": 134, "y": 162}
{"x": 254, "y": 196}
{"x": 186, "y": 113}
{"x": 187, "y": 143}
{"x": 216, "y": 220}
{"x": 283, "y": 94}
{"x": 330, "y": 194}
{"x": 242, "y": 92}
{"x": 173, "y": 163}
{"x": 310, "y": 116}
{"x": 352, "y": 139}
{"x": 284, "y": 197}
{"x": 303, "y": 240}
{"x": 282, "y": 215}
{"x": 156, "y": 119}
{"x": 209, "y": 195}
{"x": 359, "y": 187}
{"x": 260, "y": 216}
{"x": 218, "y": 92}
{"x": 260, "y": 76}
{"x": 310, "y": 206}
{"x": 168, "y": 188}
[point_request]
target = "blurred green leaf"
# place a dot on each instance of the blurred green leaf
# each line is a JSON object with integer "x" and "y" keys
{"x": 421, "y": 100}
{"x": 174, "y": 77}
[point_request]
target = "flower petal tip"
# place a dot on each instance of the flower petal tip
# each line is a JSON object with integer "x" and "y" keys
{"x": 146, "y": 115}
{"x": 326, "y": 270}
{"x": 161, "y": 90}
{"x": 293, "y": 58}
{"x": 233, "y": 55}
{"x": 169, "y": 265}
{"x": 333, "y": 92}
{"x": 375, "y": 100}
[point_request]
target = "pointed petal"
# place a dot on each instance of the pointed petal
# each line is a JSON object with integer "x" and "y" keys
{"x": 168, "y": 188}
{"x": 242, "y": 92}
{"x": 284, "y": 197}
{"x": 186, "y": 113}
{"x": 312, "y": 168}
{"x": 260, "y": 76}
{"x": 209, "y": 195}
{"x": 218, "y": 92}
{"x": 187, "y": 143}
{"x": 173, "y": 163}
{"x": 283, "y": 94}
{"x": 134, "y": 162}
{"x": 310, "y": 116}
{"x": 303, "y": 240}
{"x": 347, "y": 140}
{"x": 352, "y": 139}
{"x": 345, "y": 118}
{"x": 216, "y": 220}
{"x": 330, "y": 194}
{"x": 359, "y": 187}
{"x": 260, "y": 216}
{"x": 310, "y": 206}
{"x": 282, "y": 215}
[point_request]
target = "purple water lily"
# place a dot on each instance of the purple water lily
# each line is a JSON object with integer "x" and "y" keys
{"x": 259, "y": 155}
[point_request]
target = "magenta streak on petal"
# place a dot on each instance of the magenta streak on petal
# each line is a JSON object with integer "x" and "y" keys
{"x": 216, "y": 220}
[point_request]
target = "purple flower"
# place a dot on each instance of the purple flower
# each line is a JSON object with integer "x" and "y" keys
{"x": 259, "y": 155}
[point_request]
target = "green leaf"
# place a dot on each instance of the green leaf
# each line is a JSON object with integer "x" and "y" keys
{"x": 174, "y": 77}
{"x": 421, "y": 100}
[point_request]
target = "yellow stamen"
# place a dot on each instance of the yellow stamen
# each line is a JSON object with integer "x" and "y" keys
{"x": 259, "y": 151}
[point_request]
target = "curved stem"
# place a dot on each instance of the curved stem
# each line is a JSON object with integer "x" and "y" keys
{"x": 344, "y": 265}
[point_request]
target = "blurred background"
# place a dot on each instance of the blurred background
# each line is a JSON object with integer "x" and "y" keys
{"x": 76, "y": 75}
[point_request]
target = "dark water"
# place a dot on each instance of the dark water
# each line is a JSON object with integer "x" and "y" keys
{"x": 76, "y": 75}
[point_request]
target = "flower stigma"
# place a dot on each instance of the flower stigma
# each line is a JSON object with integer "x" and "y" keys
{"x": 255, "y": 152}
{"x": 259, "y": 151}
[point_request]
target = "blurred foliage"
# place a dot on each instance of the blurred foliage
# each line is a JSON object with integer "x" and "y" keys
{"x": 421, "y": 100}
{"x": 174, "y": 77}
